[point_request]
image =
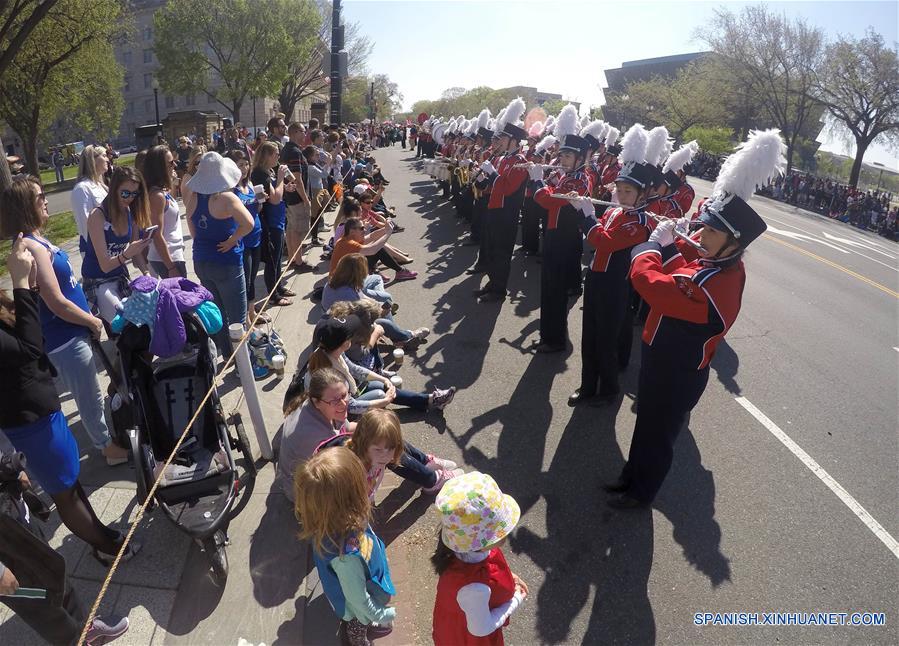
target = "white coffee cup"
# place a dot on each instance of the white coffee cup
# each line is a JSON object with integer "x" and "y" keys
{"x": 398, "y": 356}
{"x": 278, "y": 363}
{"x": 259, "y": 190}
{"x": 397, "y": 381}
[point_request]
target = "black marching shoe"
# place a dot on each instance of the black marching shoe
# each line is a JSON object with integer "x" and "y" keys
{"x": 548, "y": 348}
{"x": 491, "y": 296}
{"x": 619, "y": 486}
{"x": 475, "y": 270}
{"x": 482, "y": 291}
{"x": 579, "y": 396}
{"x": 624, "y": 502}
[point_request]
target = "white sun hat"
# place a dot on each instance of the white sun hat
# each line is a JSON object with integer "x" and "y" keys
{"x": 215, "y": 174}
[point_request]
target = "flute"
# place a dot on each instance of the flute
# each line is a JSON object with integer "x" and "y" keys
{"x": 543, "y": 166}
{"x": 677, "y": 232}
{"x": 574, "y": 197}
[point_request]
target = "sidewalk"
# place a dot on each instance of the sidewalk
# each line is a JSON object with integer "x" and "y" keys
{"x": 272, "y": 594}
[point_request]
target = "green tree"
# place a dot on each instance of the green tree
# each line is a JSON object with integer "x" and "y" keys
{"x": 774, "y": 59}
{"x": 17, "y": 21}
{"x": 357, "y": 99}
{"x": 227, "y": 49}
{"x": 715, "y": 140}
{"x": 307, "y": 68}
{"x": 859, "y": 84}
{"x": 56, "y": 74}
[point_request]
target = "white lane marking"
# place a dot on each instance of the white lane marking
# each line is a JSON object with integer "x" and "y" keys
{"x": 802, "y": 236}
{"x": 856, "y": 243}
{"x": 895, "y": 348}
{"x": 863, "y": 515}
{"x": 859, "y": 239}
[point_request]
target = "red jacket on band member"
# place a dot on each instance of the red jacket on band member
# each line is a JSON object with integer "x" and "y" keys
{"x": 612, "y": 237}
{"x": 684, "y": 196}
{"x": 610, "y": 172}
{"x": 509, "y": 180}
{"x": 692, "y": 305}
{"x": 665, "y": 207}
{"x": 577, "y": 181}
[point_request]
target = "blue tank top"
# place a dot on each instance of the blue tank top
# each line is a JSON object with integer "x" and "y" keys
{"x": 115, "y": 244}
{"x": 254, "y": 238}
{"x": 210, "y": 232}
{"x": 58, "y": 331}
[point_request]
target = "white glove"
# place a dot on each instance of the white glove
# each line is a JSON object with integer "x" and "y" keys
{"x": 535, "y": 172}
{"x": 682, "y": 225}
{"x": 585, "y": 206}
{"x": 488, "y": 168}
{"x": 663, "y": 233}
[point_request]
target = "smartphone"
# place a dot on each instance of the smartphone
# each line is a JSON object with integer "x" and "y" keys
{"x": 148, "y": 232}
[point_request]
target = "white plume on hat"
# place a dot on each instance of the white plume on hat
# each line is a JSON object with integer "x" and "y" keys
{"x": 549, "y": 124}
{"x": 681, "y": 157}
{"x": 595, "y": 128}
{"x": 483, "y": 119}
{"x": 472, "y": 127}
{"x": 655, "y": 145}
{"x": 669, "y": 147}
{"x": 545, "y": 143}
{"x": 511, "y": 114}
{"x": 437, "y": 132}
{"x": 566, "y": 123}
{"x": 633, "y": 145}
{"x": 583, "y": 123}
{"x": 755, "y": 161}
{"x": 536, "y": 129}
{"x": 491, "y": 124}
{"x": 612, "y": 136}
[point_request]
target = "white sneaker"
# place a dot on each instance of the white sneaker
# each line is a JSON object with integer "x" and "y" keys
{"x": 440, "y": 399}
{"x": 436, "y": 464}
{"x": 421, "y": 334}
{"x": 443, "y": 476}
{"x": 104, "y": 630}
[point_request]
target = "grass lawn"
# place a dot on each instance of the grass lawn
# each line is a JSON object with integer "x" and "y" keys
{"x": 60, "y": 227}
{"x": 48, "y": 177}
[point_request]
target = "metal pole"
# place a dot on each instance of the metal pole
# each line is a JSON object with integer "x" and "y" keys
{"x": 254, "y": 118}
{"x": 371, "y": 103}
{"x": 336, "y": 80}
{"x": 158, "y": 125}
{"x": 245, "y": 372}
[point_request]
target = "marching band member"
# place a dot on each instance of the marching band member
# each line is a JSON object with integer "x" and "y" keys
{"x": 562, "y": 224}
{"x": 670, "y": 202}
{"x": 481, "y": 187}
{"x": 508, "y": 180}
{"x": 530, "y": 212}
{"x": 609, "y": 164}
{"x": 606, "y": 331}
{"x": 693, "y": 305}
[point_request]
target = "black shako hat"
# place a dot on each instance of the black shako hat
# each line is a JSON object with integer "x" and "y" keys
{"x": 514, "y": 131}
{"x": 732, "y": 214}
{"x": 576, "y": 144}
{"x": 485, "y": 133}
{"x": 672, "y": 180}
{"x": 639, "y": 175}
{"x": 614, "y": 150}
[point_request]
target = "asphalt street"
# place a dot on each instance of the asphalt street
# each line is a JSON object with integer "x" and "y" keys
{"x": 742, "y": 524}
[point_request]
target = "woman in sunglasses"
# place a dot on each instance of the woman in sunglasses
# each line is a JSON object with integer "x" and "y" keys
{"x": 114, "y": 239}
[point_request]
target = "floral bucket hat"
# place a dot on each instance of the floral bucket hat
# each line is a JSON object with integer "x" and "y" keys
{"x": 474, "y": 513}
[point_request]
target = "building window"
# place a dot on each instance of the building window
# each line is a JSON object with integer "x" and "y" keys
{"x": 170, "y": 102}
{"x": 189, "y": 99}
{"x": 129, "y": 108}
{"x": 127, "y": 84}
{"x": 148, "y": 33}
{"x": 148, "y": 56}
{"x": 148, "y": 105}
{"x": 126, "y": 58}
{"x": 148, "y": 80}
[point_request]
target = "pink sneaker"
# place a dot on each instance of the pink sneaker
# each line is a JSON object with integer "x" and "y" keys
{"x": 443, "y": 476}
{"x": 438, "y": 464}
{"x": 405, "y": 275}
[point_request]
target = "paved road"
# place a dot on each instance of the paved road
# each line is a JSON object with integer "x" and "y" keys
{"x": 742, "y": 524}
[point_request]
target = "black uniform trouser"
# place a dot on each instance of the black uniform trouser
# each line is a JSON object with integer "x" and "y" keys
{"x": 530, "y": 226}
{"x": 502, "y": 225}
{"x": 466, "y": 201}
{"x": 553, "y": 296}
{"x": 605, "y": 332}
{"x": 55, "y": 624}
{"x": 479, "y": 231}
{"x": 666, "y": 394}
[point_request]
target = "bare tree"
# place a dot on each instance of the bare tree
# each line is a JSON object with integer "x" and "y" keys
{"x": 775, "y": 59}
{"x": 859, "y": 84}
{"x": 307, "y": 75}
{"x": 18, "y": 18}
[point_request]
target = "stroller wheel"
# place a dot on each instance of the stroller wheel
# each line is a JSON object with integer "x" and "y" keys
{"x": 218, "y": 557}
{"x": 243, "y": 445}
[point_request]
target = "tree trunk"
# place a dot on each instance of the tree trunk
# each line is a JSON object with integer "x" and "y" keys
{"x": 5, "y": 174}
{"x": 29, "y": 145}
{"x": 789, "y": 157}
{"x": 235, "y": 110}
{"x": 861, "y": 146}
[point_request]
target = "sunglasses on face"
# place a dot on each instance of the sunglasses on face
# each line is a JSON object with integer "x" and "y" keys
{"x": 127, "y": 195}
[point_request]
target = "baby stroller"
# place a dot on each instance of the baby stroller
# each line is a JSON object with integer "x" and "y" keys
{"x": 197, "y": 490}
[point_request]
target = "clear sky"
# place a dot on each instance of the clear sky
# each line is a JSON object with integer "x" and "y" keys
{"x": 563, "y": 46}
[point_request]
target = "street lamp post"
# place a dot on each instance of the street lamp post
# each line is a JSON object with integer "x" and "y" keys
{"x": 336, "y": 79}
{"x": 156, "y": 102}
{"x": 254, "y": 118}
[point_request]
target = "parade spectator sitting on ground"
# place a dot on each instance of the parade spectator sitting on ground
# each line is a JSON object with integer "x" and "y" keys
{"x": 167, "y": 251}
{"x": 364, "y": 349}
{"x": 90, "y": 189}
{"x": 218, "y": 221}
{"x": 343, "y": 287}
{"x": 252, "y": 242}
{"x": 30, "y": 414}
{"x": 355, "y": 240}
{"x": 368, "y": 389}
{"x": 115, "y": 237}
{"x": 66, "y": 321}
{"x": 378, "y": 442}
